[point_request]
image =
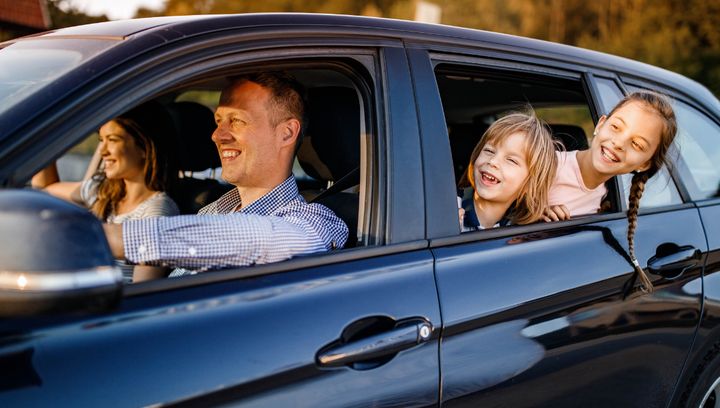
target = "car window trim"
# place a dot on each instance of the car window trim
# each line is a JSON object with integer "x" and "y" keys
{"x": 515, "y": 230}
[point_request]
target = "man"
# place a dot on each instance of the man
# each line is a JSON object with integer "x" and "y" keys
{"x": 264, "y": 219}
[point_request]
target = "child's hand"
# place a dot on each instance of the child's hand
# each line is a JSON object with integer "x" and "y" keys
{"x": 556, "y": 213}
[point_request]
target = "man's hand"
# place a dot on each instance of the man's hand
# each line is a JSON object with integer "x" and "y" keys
{"x": 113, "y": 232}
{"x": 556, "y": 213}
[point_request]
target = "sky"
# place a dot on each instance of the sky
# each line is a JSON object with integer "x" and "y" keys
{"x": 114, "y": 9}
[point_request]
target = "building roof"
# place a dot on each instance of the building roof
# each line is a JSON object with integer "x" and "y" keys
{"x": 26, "y": 13}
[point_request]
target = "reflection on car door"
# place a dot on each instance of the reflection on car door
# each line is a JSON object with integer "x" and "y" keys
{"x": 546, "y": 315}
{"x": 253, "y": 341}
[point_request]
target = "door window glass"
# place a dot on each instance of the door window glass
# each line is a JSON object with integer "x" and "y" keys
{"x": 697, "y": 139}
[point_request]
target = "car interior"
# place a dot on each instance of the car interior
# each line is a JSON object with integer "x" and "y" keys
{"x": 328, "y": 161}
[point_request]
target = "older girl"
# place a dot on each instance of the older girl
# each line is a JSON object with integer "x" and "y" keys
{"x": 633, "y": 138}
{"x": 510, "y": 170}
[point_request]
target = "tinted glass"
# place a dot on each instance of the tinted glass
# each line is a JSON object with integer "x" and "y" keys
{"x": 26, "y": 66}
{"x": 609, "y": 93}
{"x": 698, "y": 138}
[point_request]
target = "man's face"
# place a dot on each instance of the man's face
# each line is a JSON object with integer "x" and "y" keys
{"x": 248, "y": 144}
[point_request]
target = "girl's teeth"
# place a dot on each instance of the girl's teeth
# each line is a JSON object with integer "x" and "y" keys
{"x": 608, "y": 156}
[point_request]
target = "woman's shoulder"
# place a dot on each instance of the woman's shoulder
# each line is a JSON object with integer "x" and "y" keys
{"x": 160, "y": 204}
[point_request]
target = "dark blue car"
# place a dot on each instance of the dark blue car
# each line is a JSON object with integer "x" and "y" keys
{"x": 411, "y": 312}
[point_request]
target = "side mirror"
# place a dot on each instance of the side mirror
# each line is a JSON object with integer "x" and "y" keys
{"x": 54, "y": 257}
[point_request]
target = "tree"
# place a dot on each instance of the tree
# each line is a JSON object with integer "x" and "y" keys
{"x": 60, "y": 18}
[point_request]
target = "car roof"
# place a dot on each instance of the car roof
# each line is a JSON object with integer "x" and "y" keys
{"x": 167, "y": 29}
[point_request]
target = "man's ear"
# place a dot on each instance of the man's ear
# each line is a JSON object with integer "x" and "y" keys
{"x": 289, "y": 131}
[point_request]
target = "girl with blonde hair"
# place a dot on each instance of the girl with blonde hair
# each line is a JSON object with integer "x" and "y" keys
{"x": 511, "y": 169}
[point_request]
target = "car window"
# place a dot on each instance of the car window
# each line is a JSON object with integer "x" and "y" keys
{"x": 473, "y": 100}
{"x": 697, "y": 139}
{"x": 331, "y": 165}
{"x": 609, "y": 93}
{"x": 660, "y": 190}
{"x": 73, "y": 165}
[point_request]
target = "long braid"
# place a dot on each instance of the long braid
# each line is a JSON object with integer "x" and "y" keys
{"x": 636, "y": 191}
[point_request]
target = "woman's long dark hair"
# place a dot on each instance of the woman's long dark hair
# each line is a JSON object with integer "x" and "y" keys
{"x": 152, "y": 130}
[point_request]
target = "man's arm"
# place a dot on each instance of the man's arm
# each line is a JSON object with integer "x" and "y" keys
{"x": 221, "y": 241}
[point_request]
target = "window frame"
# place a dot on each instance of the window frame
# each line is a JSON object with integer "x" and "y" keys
{"x": 367, "y": 74}
{"x": 538, "y": 71}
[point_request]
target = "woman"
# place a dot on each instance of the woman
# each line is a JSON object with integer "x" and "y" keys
{"x": 136, "y": 170}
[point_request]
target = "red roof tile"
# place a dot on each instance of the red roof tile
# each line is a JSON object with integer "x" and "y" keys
{"x": 28, "y": 13}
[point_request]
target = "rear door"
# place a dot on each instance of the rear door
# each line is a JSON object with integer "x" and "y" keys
{"x": 550, "y": 314}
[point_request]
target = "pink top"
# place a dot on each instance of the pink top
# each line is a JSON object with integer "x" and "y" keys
{"x": 569, "y": 189}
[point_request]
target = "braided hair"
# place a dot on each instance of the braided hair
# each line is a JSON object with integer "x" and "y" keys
{"x": 660, "y": 105}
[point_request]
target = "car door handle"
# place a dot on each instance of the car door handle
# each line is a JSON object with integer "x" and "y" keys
{"x": 376, "y": 346}
{"x": 676, "y": 262}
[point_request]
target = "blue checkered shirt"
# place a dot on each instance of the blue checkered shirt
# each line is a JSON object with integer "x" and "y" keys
{"x": 274, "y": 228}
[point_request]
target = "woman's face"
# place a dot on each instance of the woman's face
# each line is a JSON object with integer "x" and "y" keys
{"x": 123, "y": 158}
{"x": 626, "y": 141}
{"x": 501, "y": 169}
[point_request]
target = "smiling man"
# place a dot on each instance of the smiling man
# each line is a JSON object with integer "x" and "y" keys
{"x": 264, "y": 219}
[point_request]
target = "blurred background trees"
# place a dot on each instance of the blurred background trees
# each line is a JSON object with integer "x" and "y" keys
{"x": 680, "y": 35}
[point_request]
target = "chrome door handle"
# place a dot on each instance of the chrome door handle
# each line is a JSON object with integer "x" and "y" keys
{"x": 376, "y": 346}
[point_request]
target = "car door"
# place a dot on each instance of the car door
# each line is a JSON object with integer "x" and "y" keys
{"x": 356, "y": 327}
{"x": 550, "y": 314}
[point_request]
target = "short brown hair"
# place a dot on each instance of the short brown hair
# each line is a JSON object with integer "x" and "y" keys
{"x": 287, "y": 96}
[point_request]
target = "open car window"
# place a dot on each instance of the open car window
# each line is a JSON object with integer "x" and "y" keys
{"x": 332, "y": 164}
{"x": 473, "y": 99}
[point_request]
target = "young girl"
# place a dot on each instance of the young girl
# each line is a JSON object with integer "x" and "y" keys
{"x": 510, "y": 170}
{"x": 131, "y": 182}
{"x": 633, "y": 138}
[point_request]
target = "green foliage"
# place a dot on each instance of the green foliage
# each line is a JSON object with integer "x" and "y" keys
{"x": 60, "y": 18}
{"x": 680, "y": 35}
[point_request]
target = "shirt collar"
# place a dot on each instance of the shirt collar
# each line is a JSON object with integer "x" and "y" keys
{"x": 278, "y": 197}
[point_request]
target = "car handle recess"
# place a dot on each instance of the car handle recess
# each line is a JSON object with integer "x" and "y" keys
{"x": 673, "y": 265}
{"x": 377, "y": 346}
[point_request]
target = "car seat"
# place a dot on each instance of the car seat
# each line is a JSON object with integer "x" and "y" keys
{"x": 330, "y": 152}
{"x": 571, "y": 136}
{"x": 196, "y": 152}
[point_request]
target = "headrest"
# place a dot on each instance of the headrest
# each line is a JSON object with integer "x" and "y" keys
{"x": 572, "y": 136}
{"x": 195, "y": 124}
{"x": 331, "y": 145}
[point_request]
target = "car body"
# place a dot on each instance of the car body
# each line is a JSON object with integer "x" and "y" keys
{"x": 413, "y": 313}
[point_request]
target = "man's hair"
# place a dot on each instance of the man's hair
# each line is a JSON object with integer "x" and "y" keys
{"x": 287, "y": 96}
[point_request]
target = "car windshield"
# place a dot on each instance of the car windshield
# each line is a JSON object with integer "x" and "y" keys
{"x": 27, "y": 66}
